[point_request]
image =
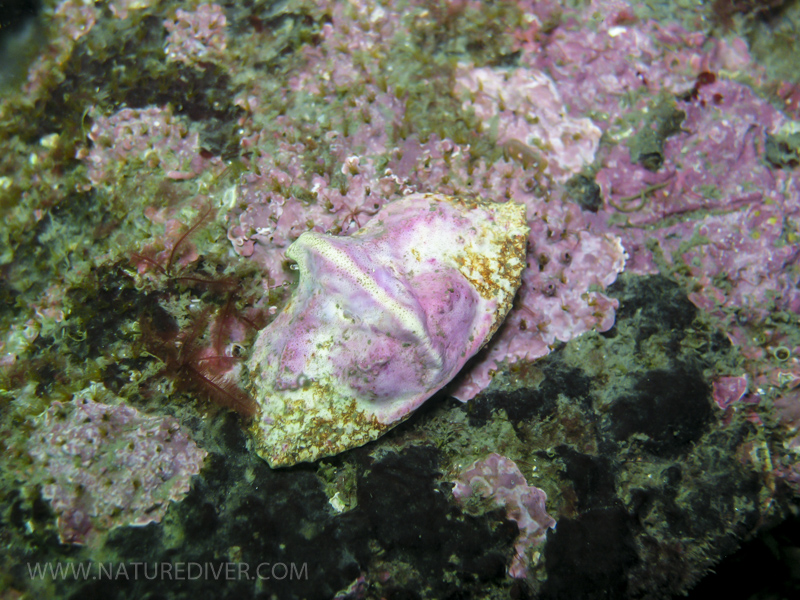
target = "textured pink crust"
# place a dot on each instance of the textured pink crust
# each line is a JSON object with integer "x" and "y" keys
{"x": 499, "y": 479}
{"x": 103, "y": 466}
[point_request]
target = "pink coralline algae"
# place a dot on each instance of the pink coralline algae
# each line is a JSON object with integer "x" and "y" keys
{"x": 151, "y": 137}
{"x": 380, "y": 321}
{"x": 197, "y": 37}
{"x": 738, "y": 256}
{"x": 728, "y": 390}
{"x": 723, "y": 133}
{"x": 283, "y": 195}
{"x": 103, "y": 466}
{"x": 614, "y": 62}
{"x": 499, "y": 480}
{"x": 524, "y": 105}
{"x": 714, "y": 207}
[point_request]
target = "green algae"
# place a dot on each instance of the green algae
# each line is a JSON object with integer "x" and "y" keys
{"x": 662, "y": 120}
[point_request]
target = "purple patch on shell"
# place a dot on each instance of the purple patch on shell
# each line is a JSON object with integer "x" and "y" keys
{"x": 381, "y": 320}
